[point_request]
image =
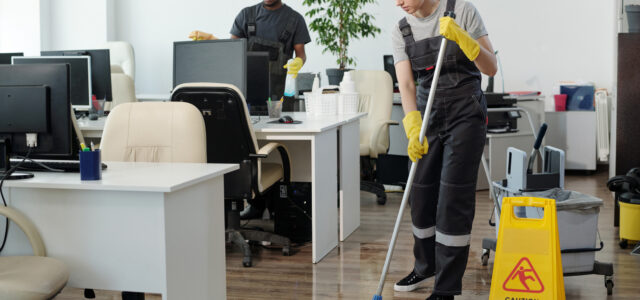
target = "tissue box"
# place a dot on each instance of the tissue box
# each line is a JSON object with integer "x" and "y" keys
{"x": 579, "y": 97}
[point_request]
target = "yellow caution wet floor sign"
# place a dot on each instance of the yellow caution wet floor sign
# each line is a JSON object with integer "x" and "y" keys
{"x": 528, "y": 263}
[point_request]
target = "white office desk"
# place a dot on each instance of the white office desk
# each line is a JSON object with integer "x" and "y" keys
{"x": 145, "y": 227}
{"x": 317, "y": 147}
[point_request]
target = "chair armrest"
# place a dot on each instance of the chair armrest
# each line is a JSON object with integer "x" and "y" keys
{"x": 375, "y": 135}
{"x": 27, "y": 227}
{"x": 284, "y": 155}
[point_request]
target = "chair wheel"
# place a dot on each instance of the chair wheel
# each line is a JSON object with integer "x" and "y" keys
{"x": 246, "y": 262}
{"x": 286, "y": 251}
{"x": 382, "y": 200}
{"x": 609, "y": 284}
{"x": 89, "y": 294}
{"x": 485, "y": 257}
{"x": 623, "y": 244}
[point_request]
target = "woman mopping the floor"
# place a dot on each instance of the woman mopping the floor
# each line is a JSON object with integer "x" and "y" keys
{"x": 443, "y": 194}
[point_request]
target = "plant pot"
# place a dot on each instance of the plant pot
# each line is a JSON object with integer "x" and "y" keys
{"x": 335, "y": 75}
{"x": 633, "y": 17}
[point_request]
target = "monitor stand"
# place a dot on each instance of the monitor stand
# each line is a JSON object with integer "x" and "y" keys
{"x": 5, "y": 165}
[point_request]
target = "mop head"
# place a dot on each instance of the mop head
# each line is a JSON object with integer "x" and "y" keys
{"x": 376, "y": 297}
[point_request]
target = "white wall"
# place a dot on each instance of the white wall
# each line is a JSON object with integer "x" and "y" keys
{"x": 153, "y": 28}
{"x": 540, "y": 42}
{"x": 20, "y": 26}
{"x": 546, "y": 41}
{"x": 76, "y": 24}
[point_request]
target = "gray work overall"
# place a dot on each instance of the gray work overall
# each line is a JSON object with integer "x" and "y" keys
{"x": 443, "y": 195}
{"x": 279, "y": 51}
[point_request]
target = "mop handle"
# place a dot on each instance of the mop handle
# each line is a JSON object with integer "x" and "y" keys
{"x": 414, "y": 166}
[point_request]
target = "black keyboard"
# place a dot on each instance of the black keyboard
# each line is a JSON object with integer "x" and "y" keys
{"x": 71, "y": 166}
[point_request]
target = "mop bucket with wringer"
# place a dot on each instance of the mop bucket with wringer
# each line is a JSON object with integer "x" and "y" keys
{"x": 577, "y": 215}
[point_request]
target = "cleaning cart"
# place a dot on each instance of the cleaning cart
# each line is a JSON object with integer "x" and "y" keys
{"x": 577, "y": 213}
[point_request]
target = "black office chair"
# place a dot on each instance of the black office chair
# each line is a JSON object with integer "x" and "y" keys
{"x": 231, "y": 139}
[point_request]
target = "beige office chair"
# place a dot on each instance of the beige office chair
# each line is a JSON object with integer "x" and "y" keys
{"x": 154, "y": 132}
{"x": 376, "y": 99}
{"x": 231, "y": 139}
{"x": 121, "y": 54}
{"x": 30, "y": 277}
{"x": 122, "y": 87}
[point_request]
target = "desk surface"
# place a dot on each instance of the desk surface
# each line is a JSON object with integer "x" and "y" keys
{"x": 129, "y": 176}
{"x": 86, "y": 124}
{"x": 310, "y": 123}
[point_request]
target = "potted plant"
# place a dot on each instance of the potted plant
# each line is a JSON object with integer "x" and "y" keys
{"x": 337, "y": 23}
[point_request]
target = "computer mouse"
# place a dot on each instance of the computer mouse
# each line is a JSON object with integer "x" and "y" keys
{"x": 93, "y": 117}
{"x": 286, "y": 119}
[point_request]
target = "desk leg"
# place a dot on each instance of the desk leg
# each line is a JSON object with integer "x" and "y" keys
{"x": 195, "y": 249}
{"x": 349, "y": 137}
{"x": 324, "y": 163}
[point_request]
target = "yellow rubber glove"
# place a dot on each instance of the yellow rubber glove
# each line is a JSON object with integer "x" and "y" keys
{"x": 198, "y": 35}
{"x": 450, "y": 30}
{"x": 412, "y": 124}
{"x": 294, "y": 66}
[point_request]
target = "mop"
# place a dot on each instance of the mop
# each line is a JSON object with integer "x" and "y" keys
{"x": 414, "y": 165}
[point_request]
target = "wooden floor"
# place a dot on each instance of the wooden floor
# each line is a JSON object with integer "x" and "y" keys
{"x": 352, "y": 270}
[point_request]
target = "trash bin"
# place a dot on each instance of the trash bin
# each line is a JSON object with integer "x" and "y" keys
{"x": 577, "y": 226}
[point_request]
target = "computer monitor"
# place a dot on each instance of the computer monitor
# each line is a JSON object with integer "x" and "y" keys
{"x": 217, "y": 61}
{"x": 40, "y": 94}
{"x": 79, "y": 79}
{"x": 390, "y": 67}
{"x": 100, "y": 69}
{"x": 5, "y": 58}
{"x": 258, "y": 91}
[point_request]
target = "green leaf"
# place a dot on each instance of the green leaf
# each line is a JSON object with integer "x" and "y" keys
{"x": 337, "y": 23}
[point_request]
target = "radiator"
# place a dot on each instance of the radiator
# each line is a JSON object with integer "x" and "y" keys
{"x": 602, "y": 117}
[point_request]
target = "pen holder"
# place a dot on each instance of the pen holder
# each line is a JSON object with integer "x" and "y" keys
{"x": 275, "y": 109}
{"x": 90, "y": 165}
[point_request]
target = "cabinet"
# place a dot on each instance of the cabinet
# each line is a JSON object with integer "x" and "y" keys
{"x": 627, "y": 151}
{"x": 575, "y": 133}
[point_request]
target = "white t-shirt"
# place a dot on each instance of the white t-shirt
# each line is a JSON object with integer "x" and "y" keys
{"x": 467, "y": 16}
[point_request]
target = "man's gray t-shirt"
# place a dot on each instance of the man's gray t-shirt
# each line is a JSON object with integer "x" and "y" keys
{"x": 271, "y": 23}
{"x": 467, "y": 17}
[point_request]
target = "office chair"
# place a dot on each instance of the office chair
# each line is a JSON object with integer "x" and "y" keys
{"x": 154, "y": 132}
{"x": 123, "y": 88}
{"x": 231, "y": 139}
{"x": 376, "y": 99}
{"x": 122, "y": 55}
{"x": 30, "y": 277}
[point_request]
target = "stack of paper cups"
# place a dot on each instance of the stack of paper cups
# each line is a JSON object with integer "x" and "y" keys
{"x": 347, "y": 85}
{"x": 348, "y": 100}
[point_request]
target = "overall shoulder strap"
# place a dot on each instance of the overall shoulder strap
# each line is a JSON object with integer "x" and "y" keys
{"x": 405, "y": 30}
{"x": 290, "y": 28}
{"x": 252, "y": 13}
{"x": 451, "y": 6}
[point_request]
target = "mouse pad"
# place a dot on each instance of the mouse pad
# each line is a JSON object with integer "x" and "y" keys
{"x": 278, "y": 122}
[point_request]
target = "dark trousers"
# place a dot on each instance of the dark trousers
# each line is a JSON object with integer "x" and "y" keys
{"x": 443, "y": 194}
